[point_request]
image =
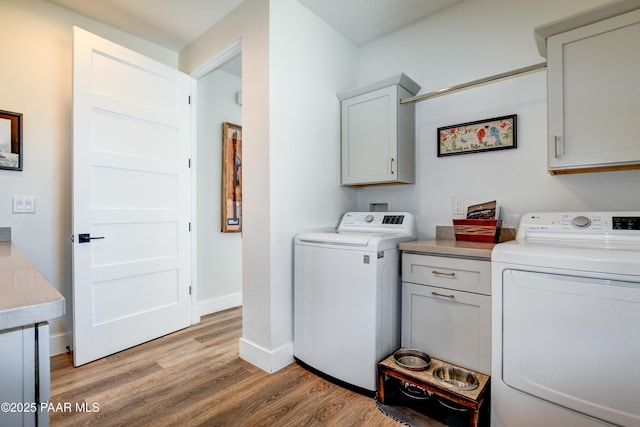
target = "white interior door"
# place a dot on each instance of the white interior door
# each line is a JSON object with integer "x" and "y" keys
{"x": 131, "y": 197}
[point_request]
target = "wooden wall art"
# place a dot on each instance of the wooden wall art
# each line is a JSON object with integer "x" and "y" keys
{"x": 10, "y": 140}
{"x": 231, "y": 178}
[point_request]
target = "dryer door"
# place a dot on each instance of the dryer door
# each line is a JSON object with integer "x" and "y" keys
{"x": 573, "y": 341}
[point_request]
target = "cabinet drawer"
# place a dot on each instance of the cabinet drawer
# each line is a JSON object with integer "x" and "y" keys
{"x": 448, "y": 325}
{"x": 445, "y": 272}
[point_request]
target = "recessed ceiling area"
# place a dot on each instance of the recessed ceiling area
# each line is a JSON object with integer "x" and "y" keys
{"x": 364, "y": 20}
{"x": 174, "y": 24}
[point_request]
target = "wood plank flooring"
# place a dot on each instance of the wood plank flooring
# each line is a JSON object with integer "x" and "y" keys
{"x": 195, "y": 377}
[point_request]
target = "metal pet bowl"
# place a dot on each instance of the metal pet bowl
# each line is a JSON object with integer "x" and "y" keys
{"x": 413, "y": 391}
{"x": 452, "y": 405}
{"x": 458, "y": 378}
{"x": 412, "y": 359}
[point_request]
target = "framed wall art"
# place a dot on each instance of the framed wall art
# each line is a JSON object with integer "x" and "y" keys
{"x": 10, "y": 140}
{"x": 231, "y": 178}
{"x": 498, "y": 133}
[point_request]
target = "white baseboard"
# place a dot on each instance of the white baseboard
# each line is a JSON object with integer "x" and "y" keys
{"x": 214, "y": 305}
{"x": 269, "y": 361}
{"x": 58, "y": 343}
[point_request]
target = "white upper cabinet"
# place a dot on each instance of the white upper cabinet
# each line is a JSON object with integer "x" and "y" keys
{"x": 378, "y": 133}
{"x": 593, "y": 62}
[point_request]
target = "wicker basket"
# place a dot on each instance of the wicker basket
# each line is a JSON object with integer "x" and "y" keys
{"x": 477, "y": 230}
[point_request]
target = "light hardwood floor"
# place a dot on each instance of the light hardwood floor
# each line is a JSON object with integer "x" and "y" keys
{"x": 194, "y": 377}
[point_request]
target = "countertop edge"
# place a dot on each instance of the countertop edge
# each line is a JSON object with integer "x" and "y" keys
{"x": 26, "y": 301}
{"x": 449, "y": 247}
{"x": 32, "y": 314}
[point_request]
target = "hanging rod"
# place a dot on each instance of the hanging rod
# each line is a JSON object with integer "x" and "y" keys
{"x": 456, "y": 88}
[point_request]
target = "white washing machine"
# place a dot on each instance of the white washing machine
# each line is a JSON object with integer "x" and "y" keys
{"x": 347, "y": 295}
{"x": 566, "y": 322}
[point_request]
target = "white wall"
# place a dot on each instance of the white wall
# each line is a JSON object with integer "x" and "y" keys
{"x": 35, "y": 80}
{"x": 293, "y": 65}
{"x": 219, "y": 275}
{"x": 472, "y": 40}
{"x": 309, "y": 63}
{"x": 249, "y": 23}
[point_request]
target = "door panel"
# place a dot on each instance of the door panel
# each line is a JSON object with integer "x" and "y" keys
{"x": 572, "y": 341}
{"x": 132, "y": 190}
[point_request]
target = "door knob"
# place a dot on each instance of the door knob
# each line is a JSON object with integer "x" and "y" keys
{"x": 86, "y": 238}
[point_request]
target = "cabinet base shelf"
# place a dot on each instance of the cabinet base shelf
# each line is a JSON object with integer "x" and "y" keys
{"x": 614, "y": 168}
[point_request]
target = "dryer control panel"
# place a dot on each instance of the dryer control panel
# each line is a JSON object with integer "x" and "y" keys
{"x": 626, "y": 223}
{"x": 580, "y": 225}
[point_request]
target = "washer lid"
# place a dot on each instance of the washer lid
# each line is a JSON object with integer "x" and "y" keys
{"x": 335, "y": 238}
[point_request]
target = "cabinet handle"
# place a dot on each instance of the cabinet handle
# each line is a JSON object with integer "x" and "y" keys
{"x": 442, "y": 273}
{"x": 555, "y": 146}
{"x": 392, "y": 160}
{"x": 443, "y": 295}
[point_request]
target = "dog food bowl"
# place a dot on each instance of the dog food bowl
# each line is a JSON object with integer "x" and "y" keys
{"x": 457, "y": 378}
{"x": 413, "y": 391}
{"x": 412, "y": 359}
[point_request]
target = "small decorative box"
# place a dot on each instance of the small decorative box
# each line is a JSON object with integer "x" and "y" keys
{"x": 477, "y": 230}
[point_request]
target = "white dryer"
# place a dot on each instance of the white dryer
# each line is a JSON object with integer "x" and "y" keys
{"x": 347, "y": 295}
{"x": 565, "y": 322}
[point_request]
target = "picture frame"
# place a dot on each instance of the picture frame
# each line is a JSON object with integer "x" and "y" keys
{"x": 10, "y": 140}
{"x": 231, "y": 178}
{"x": 498, "y": 133}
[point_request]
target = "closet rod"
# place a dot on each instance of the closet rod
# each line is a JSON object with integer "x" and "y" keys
{"x": 501, "y": 76}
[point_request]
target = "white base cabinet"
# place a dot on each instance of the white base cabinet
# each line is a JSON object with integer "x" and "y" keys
{"x": 24, "y": 376}
{"x": 446, "y": 309}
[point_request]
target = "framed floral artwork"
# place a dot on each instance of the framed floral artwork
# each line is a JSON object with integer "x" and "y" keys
{"x": 498, "y": 133}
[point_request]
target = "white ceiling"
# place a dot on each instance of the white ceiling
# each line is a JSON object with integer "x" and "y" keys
{"x": 364, "y": 20}
{"x": 174, "y": 24}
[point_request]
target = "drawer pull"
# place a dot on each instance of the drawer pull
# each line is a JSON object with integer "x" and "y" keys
{"x": 443, "y": 295}
{"x": 442, "y": 273}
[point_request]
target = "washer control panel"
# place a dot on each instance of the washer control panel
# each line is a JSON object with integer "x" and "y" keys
{"x": 383, "y": 222}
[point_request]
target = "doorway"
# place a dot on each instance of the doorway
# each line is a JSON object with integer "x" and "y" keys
{"x": 219, "y": 254}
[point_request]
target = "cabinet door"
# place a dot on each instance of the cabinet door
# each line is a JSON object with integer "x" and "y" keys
{"x": 449, "y": 325}
{"x": 17, "y": 376}
{"x": 369, "y": 138}
{"x": 594, "y": 95}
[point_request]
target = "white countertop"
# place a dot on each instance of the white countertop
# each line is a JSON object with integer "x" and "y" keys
{"x": 26, "y": 297}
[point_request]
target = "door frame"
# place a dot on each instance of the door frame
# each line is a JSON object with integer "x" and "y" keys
{"x": 213, "y": 63}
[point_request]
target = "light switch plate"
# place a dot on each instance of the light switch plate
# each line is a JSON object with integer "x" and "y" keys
{"x": 458, "y": 205}
{"x": 24, "y": 204}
